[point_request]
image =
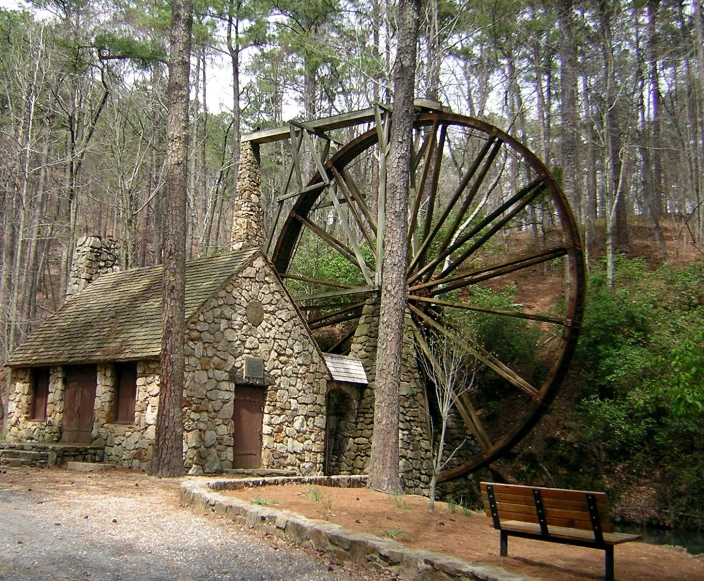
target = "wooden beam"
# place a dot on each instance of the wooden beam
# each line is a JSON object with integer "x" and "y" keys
{"x": 334, "y": 122}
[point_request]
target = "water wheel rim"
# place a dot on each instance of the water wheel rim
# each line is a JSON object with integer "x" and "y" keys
{"x": 570, "y": 247}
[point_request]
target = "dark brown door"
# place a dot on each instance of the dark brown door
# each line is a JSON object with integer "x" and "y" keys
{"x": 79, "y": 400}
{"x": 248, "y": 417}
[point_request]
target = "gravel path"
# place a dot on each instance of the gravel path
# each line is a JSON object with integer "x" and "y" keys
{"x": 122, "y": 526}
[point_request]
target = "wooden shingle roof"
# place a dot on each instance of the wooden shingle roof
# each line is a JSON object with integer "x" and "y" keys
{"x": 118, "y": 317}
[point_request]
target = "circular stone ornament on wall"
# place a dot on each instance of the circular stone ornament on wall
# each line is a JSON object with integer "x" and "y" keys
{"x": 254, "y": 312}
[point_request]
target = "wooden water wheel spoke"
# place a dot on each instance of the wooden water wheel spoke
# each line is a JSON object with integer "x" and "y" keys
{"x": 420, "y": 187}
{"x": 419, "y": 153}
{"x": 359, "y": 290}
{"x": 353, "y": 242}
{"x": 339, "y": 316}
{"x": 464, "y": 405}
{"x": 506, "y": 211}
{"x": 502, "y": 312}
{"x": 490, "y": 151}
{"x": 356, "y": 209}
{"x": 495, "y": 260}
{"x": 355, "y": 192}
{"x": 450, "y": 283}
{"x": 324, "y": 306}
{"x": 334, "y": 243}
{"x": 482, "y": 355}
{"x": 427, "y": 240}
{"x": 433, "y": 188}
{"x": 526, "y": 199}
{"x": 316, "y": 281}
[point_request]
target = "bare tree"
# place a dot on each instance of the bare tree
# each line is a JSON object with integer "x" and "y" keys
{"x": 452, "y": 372}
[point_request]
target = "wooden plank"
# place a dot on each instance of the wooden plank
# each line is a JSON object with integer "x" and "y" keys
{"x": 563, "y": 508}
{"x": 552, "y": 522}
{"x": 334, "y": 122}
{"x": 571, "y": 513}
{"x": 332, "y": 294}
{"x": 522, "y": 490}
{"x": 568, "y": 533}
{"x": 578, "y": 503}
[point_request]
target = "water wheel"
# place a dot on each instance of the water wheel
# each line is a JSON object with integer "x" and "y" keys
{"x": 495, "y": 266}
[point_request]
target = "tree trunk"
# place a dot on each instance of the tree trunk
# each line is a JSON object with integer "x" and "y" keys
{"x": 168, "y": 443}
{"x": 384, "y": 460}
{"x": 569, "y": 118}
{"x": 589, "y": 182}
{"x": 695, "y": 113}
{"x": 652, "y": 170}
{"x": 233, "y": 48}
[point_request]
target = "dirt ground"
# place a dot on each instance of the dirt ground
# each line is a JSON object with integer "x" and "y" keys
{"x": 122, "y": 525}
{"x": 471, "y": 536}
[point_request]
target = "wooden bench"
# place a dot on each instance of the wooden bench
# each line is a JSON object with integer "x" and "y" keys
{"x": 570, "y": 517}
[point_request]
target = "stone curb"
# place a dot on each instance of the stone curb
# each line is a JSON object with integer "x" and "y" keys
{"x": 331, "y": 539}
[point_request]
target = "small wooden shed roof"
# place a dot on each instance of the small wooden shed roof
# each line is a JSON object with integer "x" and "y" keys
{"x": 346, "y": 368}
{"x": 118, "y": 317}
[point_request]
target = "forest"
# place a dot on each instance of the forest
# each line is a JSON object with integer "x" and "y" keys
{"x": 608, "y": 93}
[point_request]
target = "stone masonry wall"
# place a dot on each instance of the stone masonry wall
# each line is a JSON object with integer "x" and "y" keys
{"x": 248, "y": 217}
{"x": 131, "y": 444}
{"x": 125, "y": 444}
{"x": 414, "y": 446}
{"x": 296, "y": 377}
{"x": 20, "y": 428}
{"x": 92, "y": 257}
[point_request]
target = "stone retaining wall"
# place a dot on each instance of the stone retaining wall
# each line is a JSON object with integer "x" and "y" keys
{"x": 331, "y": 539}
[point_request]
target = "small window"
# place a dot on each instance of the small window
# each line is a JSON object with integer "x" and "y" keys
{"x": 40, "y": 393}
{"x": 125, "y": 392}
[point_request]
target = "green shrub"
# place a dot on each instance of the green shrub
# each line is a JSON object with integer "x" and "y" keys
{"x": 640, "y": 362}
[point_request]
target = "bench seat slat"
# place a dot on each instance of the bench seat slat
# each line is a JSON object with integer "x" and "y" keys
{"x": 568, "y": 533}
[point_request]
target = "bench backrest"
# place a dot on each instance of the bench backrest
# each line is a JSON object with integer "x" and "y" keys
{"x": 561, "y": 508}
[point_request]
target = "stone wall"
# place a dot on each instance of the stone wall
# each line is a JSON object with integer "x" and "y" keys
{"x": 20, "y": 428}
{"x": 248, "y": 217}
{"x": 92, "y": 257}
{"x": 222, "y": 335}
{"x": 414, "y": 446}
{"x": 125, "y": 444}
{"x": 130, "y": 444}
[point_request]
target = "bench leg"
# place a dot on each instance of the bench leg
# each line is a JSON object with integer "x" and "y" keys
{"x": 503, "y": 544}
{"x": 609, "y": 562}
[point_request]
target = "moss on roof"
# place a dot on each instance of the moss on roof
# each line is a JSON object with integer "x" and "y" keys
{"x": 118, "y": 317}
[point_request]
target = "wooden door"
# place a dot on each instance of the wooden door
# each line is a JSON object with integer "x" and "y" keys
{"x": 248, "y": 418}
{"x": 79, "y": 401}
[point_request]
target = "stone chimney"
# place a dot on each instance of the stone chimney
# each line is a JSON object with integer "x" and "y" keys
{"x": 92, "y": 257}
{"x": 248, "y": 217}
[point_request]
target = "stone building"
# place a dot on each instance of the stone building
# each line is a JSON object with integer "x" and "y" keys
{"x": 255, "y": 388}
{"x": 259, "y": 393}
